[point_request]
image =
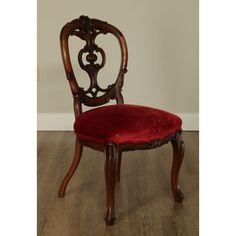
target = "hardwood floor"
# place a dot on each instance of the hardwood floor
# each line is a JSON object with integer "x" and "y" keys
{"x": 144, "y": 202}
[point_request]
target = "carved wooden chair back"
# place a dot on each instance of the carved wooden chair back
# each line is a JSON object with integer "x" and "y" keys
{"x": 88, "y": 29}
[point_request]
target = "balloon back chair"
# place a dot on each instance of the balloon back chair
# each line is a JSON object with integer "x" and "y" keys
{"x": 113, "y": 129}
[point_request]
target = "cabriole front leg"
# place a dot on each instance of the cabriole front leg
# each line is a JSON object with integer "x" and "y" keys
{"x": 118, "y": 166}
{"x": 178, "y": 155}
{"x": 110, "y": 180}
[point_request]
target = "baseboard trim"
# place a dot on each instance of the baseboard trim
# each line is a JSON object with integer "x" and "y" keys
{"x": 64, "y": 121}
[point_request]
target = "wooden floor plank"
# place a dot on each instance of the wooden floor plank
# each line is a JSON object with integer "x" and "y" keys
{"x": 144, "y": 203}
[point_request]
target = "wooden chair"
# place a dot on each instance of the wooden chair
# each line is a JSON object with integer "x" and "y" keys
{"x": 113, "y": 129}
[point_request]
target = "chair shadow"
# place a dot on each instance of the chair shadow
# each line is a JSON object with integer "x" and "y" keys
{"x": 146, "y": 199}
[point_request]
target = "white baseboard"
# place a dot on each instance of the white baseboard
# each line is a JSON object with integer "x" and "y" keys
{"x": 64, "y": 121}
{"x": 55, "y": 121}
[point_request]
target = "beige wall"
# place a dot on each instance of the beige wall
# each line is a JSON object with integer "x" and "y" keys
{"x": 162, "y": 38}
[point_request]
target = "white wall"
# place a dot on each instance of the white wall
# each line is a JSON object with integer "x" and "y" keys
{"x": 162, "y": 38}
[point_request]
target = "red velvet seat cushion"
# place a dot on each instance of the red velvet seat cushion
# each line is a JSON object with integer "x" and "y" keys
{"x": 126, "y": 124}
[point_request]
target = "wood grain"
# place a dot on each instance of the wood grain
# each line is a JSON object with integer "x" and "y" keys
{"x": 144, "y": 200}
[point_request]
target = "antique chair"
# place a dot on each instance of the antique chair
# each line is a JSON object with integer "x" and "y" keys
{"x": 113, "y": 129}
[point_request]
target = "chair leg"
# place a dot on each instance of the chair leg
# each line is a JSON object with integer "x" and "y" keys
{"x": 178, "y": 155}
{"x": 75, "y": 163}
{"x": 118, "y": 167}
{"x": 110, "y": 179}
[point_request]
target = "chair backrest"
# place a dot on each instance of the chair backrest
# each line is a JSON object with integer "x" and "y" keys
{"x": 88, "y": 29}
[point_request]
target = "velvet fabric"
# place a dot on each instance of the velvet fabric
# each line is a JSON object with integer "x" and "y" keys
{"x": 126, "y": 124}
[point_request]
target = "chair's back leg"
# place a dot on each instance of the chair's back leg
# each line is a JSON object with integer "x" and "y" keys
{"x": 178, "y": 155}
{"x": 110, "y": 179}
{"x": 71, "y": 171}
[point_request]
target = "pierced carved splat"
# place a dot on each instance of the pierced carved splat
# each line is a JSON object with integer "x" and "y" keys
{"x": 88, "y": 29}
{"x": 88, "y": 33}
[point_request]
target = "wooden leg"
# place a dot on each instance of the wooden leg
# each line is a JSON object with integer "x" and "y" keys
{"x": 118, "y": 167}
{"x": 110, "y": 179}
{"x": 75, "y": 163}
{"x": 178, "y": 154}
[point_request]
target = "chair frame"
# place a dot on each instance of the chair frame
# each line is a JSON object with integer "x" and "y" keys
{"x": 88, "y": 29}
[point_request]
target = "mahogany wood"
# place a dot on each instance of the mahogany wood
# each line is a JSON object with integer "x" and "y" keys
{"x": 111, "y": 153}
{"x": 178, "y": 155}
{"x": 88, "y": 29}
{"x": 74, "y": 164}
{"x": 118, "y": 166}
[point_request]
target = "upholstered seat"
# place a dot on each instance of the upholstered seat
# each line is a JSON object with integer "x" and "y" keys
{"x": 126, "y": 124}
